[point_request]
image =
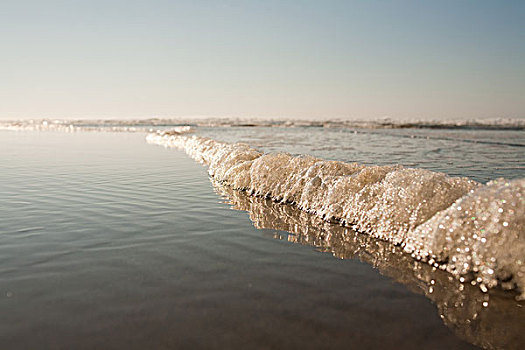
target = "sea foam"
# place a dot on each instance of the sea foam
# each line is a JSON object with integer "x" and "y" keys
{"x": 76, "y": 126}
{"x": 471, "y": 230}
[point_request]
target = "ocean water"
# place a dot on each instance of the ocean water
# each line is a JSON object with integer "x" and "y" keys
{"x": 107, "y": 241}
{"x": 481, "y": 155}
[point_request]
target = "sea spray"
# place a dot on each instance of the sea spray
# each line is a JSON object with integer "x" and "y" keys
{"x": 473, "y": 231}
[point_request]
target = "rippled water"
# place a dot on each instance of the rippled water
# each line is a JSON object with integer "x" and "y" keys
{"x": 107, "y": 242}
{"x": 481, "y": 155}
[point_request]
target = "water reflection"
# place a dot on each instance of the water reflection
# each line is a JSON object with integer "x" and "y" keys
{"x": 491, "y": 320}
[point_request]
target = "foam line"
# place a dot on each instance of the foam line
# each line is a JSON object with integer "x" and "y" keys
{"x": 473, "y": 231}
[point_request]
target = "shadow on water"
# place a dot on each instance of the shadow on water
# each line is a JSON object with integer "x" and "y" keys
{"x": 491, "y": 320}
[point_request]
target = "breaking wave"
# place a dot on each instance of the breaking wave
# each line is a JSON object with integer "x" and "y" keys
{"x": 473, "y": 231}
{"x": 382, "y": 123}
{"x": 76, "y": 126}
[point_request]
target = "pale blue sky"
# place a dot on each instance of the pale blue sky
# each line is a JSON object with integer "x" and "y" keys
{"x": 298, "y": 59}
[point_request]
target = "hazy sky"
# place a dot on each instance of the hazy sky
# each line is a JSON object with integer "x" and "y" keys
{"x": 346, "y": 59}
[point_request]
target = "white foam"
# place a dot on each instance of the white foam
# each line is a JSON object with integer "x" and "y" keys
{"x": 66, "y": 126}
{"x": 481, "y": 234}
{"x": 473, "y": 231}
{"x": 382, "y": 123}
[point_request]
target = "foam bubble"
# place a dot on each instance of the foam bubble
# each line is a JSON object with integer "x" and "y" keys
{"x": 480, "y": 236}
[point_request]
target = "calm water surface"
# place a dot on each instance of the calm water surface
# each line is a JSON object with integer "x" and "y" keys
{"x": 107, "y": 242}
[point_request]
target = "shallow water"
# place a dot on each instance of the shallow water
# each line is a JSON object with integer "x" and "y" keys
{"x": 106, "y": 241}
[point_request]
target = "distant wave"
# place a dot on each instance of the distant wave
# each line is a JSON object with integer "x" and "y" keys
{"x": 473, "y": 231}
{"x": 384, "y": 123}
{"x": 68, "y": 126}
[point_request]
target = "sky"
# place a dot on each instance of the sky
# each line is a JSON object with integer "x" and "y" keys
{"x": 280, "y": 59}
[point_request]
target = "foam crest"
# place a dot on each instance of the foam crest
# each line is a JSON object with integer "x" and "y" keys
{"x": 473, "y": 231}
